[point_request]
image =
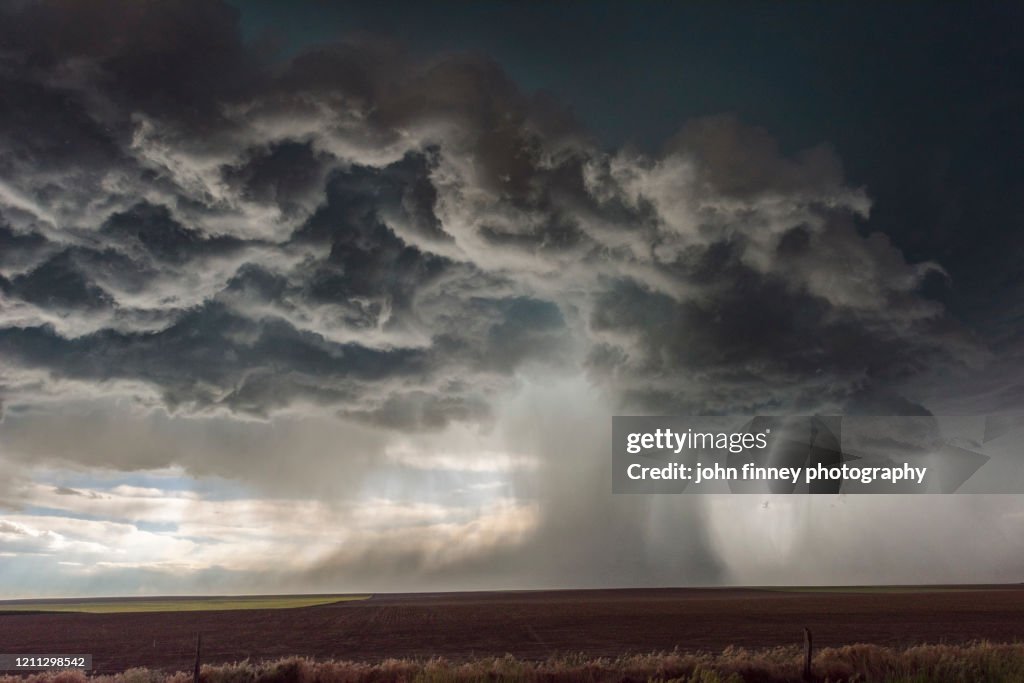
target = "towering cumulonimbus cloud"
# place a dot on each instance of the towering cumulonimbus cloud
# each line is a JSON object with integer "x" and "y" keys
{"x": 189, "y": 222}
{"x": 394, "y": 240}
{"x": 400, "y": 297}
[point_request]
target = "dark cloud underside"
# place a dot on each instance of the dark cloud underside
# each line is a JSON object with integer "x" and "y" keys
{"x": 395, "y": 239}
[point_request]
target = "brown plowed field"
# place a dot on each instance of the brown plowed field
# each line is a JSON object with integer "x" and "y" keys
{"x": 527, "y": 624}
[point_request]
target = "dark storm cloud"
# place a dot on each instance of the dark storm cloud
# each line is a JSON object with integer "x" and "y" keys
{"x": 211, "y": 356}
{"x": 18, "y": 249}
{"x": 285, "y": 173}
{"x": 181, "y": 58}
{"x": 395, "y": 240}
{"x": 60, "y": 283}
{"x": 153, "y": 229}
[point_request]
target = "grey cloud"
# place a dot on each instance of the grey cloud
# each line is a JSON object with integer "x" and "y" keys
{"x": 67, "y": 491}
{"x": 154, "y": 229}
{"x": 46, "y": 125}
{"x": 291, "y": 456}
{"x": 193, "y": 46}
{"x": 746, "y": 339}
{"x": 10, "y": 528}
{"x": 19, "y": 249}
{"x": 745, "y": 160}
{"x": 60, "y": 283}
{"x": 394, "y": 240}
{"x": 213, "y": 357}
{"x": 286, "y": 172}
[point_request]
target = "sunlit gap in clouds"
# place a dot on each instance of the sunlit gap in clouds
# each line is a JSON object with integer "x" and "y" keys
{"x": 434, "y": 499}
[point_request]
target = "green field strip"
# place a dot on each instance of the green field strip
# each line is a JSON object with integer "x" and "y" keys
{"x": 113, "y": 606}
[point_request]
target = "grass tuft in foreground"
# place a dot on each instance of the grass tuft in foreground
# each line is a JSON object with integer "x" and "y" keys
{"x": 990, "y": 662}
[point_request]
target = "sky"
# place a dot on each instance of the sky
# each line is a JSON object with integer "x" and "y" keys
{"x": 324, "y": 297}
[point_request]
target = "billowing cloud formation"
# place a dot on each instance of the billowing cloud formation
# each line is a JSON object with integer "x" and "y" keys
{"x": 187, "y": 222}
{"x": 400, "y": 297}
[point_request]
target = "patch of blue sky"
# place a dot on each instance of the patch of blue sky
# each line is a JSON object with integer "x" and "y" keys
{"x": 142, "y": 525}
{"x": 436, "y": 486}
{"x": 171, "y": 480}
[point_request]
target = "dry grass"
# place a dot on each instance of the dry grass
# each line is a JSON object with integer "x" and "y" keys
{"x": 990, "y": 662}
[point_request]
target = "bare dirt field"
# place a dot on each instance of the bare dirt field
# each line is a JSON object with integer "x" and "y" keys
{"x": 531, "y": 625}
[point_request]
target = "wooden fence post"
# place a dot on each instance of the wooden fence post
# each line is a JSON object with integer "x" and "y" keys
{"x": 807, "y": 654}
{"x": 195, "y": 671}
